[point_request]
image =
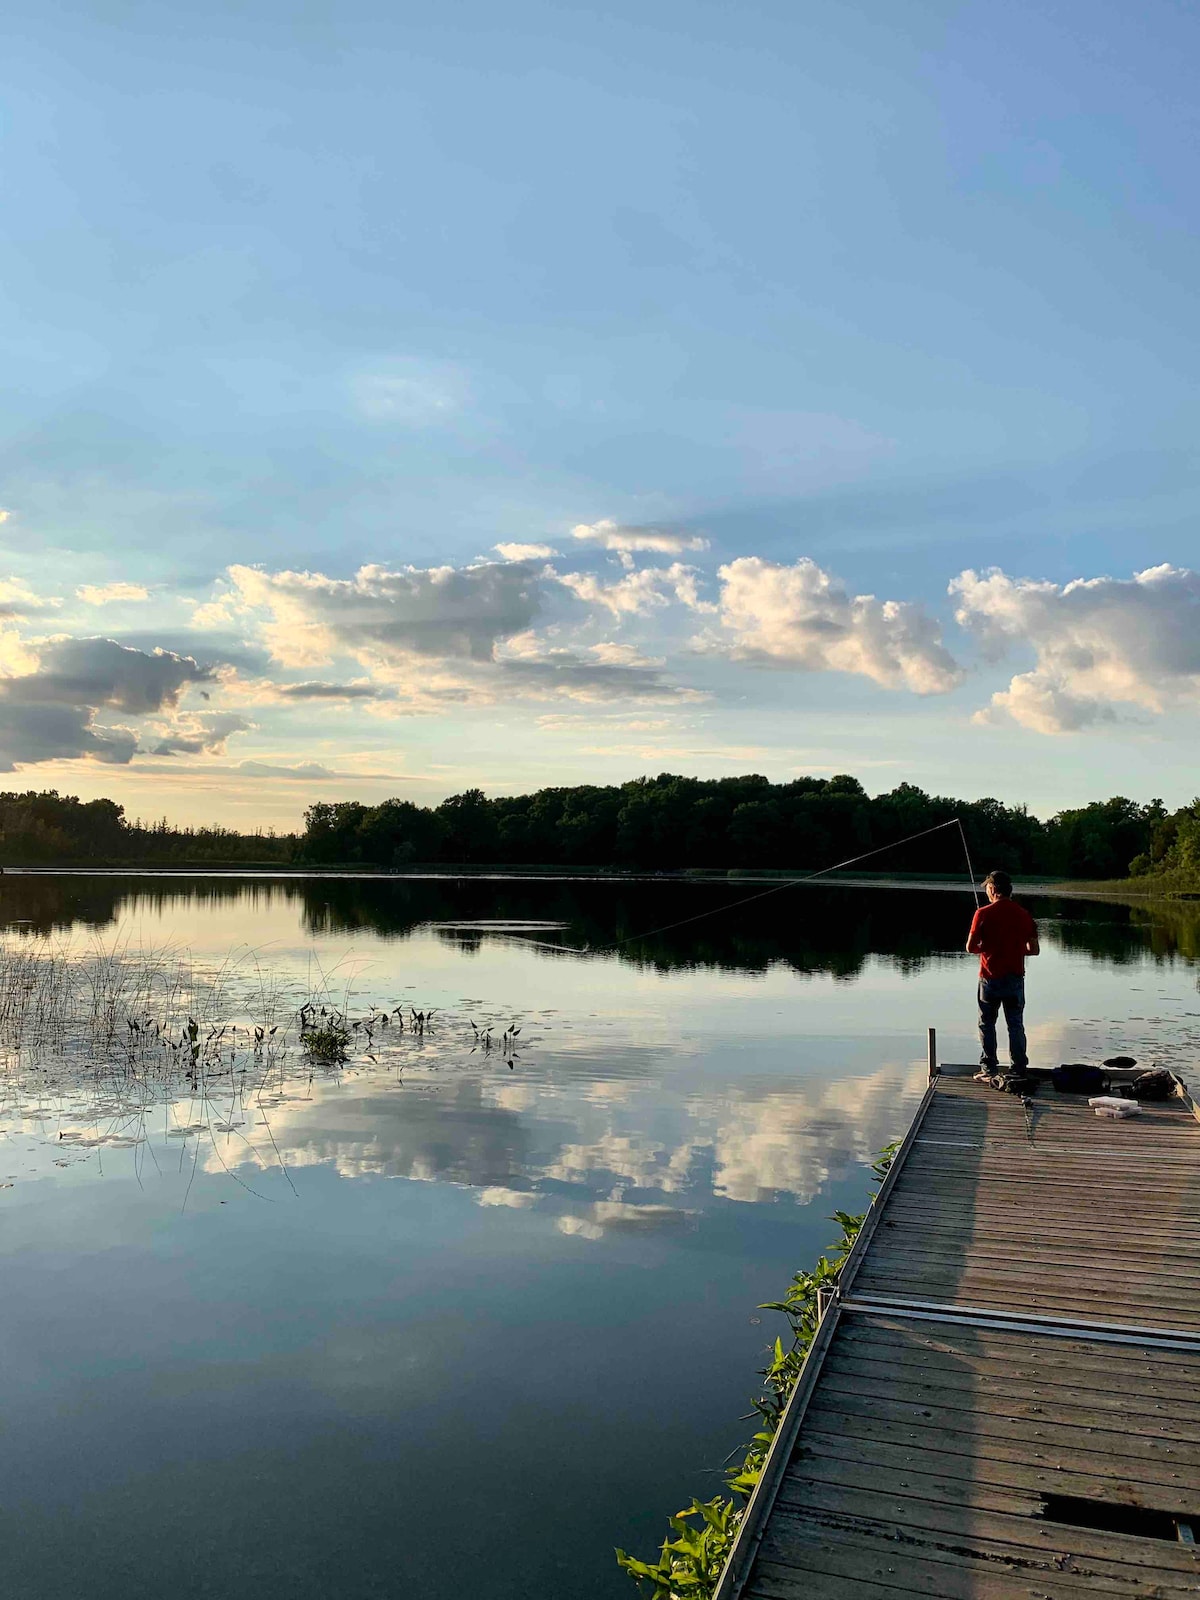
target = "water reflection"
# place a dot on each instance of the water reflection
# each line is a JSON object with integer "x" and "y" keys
{"x": 809, "y": 929}
{"x": 318, "y": 1326}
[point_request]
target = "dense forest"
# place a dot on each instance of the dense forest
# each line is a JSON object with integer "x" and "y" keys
{"x": 669, "y": 823}
{"x": 666, "y": 823}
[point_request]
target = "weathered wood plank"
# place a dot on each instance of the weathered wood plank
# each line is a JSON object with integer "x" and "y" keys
{"x": 1121, "y": 1483}
{"x": 926, "y": 1261}
{"x": 1137, "y": 1271}
{"x": 998, "y": 1291}
{"x": 879, "y": 1507}
{"x": 1164, "y": 1425}
{"x": 1051, "y": 1435}
{"x": 906, "y": 1382}
{"x": 967, "y": 1568}
{"x": 1098, "y": 1453}
{"x": 1018, "y": 1362}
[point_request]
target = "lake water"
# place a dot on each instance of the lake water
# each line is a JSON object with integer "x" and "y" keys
{"x": 458, "y": 1319}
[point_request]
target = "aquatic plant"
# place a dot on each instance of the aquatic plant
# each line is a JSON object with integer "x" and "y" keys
{"x": 690, "y": 1564}
{"x": 325, "y": 1033}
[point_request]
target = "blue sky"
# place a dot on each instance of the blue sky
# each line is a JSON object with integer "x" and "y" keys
{"x": 748, "y": 314}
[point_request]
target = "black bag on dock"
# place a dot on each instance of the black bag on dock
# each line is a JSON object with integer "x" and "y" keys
{"x": 1154, "y": 1084}
{"x": 1076, "y": 1077}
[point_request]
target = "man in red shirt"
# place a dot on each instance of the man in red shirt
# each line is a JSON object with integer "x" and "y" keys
{"x": 1002, "y": 935}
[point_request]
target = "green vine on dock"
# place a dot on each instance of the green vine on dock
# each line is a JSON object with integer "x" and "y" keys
{"x": 694, "y": 1553}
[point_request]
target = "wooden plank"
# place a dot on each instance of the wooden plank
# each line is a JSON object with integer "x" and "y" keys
{"x": 1101, "y": 1454}
{"x": 1071, "y": 1436}
{"x": 1052, "y": 1325}
{"x": 1101, "y": 1289}
{"x": 1159, "y": 1307}
{"x": 1099, "y": 1413}
{"x": 1123, "y": 1484}
{"x": 881, "y": 1505}
{"x": 1080, "y": 1192}
{"x": 980, "y": 1570}
{"x": 1017, "y": 1362}
{"x": 1007, "y": 1220}
{"x": 915, "y": 1273}
{"x": 1129, "y": 1400}
{"x": 899, "y": 1323}
{"x": 1134, "y": 1269}
{"x": 862, "y": 1243}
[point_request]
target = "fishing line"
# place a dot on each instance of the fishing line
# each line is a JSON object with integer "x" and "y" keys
{"x": 790, "y": 883}
{"x": 970, "y": 868}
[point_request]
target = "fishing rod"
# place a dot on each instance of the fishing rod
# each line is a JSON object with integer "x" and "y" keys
{"x": 790, "y": 883}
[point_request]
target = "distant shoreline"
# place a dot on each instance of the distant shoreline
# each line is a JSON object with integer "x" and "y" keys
{"x": 1109, "y": 890}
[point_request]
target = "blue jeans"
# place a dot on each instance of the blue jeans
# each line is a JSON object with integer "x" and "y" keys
{"x": 1010, "y": 993}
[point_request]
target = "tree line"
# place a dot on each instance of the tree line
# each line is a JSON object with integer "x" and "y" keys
{"x": 670, "y": 823}
{"x": 663, "y": 823}
{"x": 43, "y": 828}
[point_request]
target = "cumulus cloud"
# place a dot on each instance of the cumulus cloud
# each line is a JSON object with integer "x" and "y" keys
{"x": 434, "y": 637}
{"x": 525, "y": 552}
{"x": 101, "y": 672}
{"x": 1099, "y": 644}
{"x": 800, "y": 616}
{"x": 437, "y": 611}
{"x": 49, "y": 707}
{"x": 103, "y": 594}
{"x": 632, "y": 595}
{"x": 203, "y": 733}
{"x": 625, "y": 542}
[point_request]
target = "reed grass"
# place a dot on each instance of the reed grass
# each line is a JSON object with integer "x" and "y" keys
{"x": 94, "y": 1041}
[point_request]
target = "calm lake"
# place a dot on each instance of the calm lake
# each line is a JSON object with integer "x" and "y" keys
{"x": 459, "y": 1316}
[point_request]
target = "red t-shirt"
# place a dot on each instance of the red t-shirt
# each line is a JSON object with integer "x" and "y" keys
{"x": 1003, "y": 930}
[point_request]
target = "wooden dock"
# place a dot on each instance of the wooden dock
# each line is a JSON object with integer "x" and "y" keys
{"x": 1003, "y": 1400}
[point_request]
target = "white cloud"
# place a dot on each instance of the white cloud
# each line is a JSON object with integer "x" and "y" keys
{"x": 800, "y": 616}
{"x": 199, "y": 733}
{"x": 613, "y": 654}
{"x": 1099, "y": 644}
{"x": 103, "y": 594}
{"x": 514, "y": 1199}
{"x": 525, "y": 552}
{"x": 446, "y": 612}
{"x": 436, "y": 637}
{"x": 626, "y": 541}
{"x": 632, "y": 595}
{"x": 638, "y": 592}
